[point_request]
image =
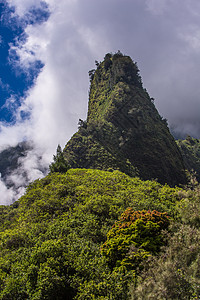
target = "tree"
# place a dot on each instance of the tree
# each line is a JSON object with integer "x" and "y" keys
{"x": 59, "y": 163}
{"x": 91, "y": 74}
{"x": 82, "y": 124}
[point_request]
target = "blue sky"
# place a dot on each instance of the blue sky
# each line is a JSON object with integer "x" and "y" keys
{"x": 47, "y": 48}
{"x": 10, "y": 82}
{"x": 14, "y": 80}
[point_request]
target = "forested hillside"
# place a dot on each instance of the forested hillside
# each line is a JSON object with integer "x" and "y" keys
{"x": 65, "y": 239}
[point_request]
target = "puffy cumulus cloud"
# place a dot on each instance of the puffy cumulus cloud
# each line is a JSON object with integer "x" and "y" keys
{"x": 162, "y": 36}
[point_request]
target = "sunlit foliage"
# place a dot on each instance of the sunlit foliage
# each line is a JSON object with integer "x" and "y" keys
{"x": 133, "y": 238}
{"x": 51, "y": 238}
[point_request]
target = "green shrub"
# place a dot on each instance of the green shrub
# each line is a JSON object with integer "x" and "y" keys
{"x": 133, "y": 238}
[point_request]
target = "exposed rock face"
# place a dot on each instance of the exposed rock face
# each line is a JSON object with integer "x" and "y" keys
{"x": 123, "y": 129}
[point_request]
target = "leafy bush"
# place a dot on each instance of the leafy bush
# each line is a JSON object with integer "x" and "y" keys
{"x": 134, "y": 237}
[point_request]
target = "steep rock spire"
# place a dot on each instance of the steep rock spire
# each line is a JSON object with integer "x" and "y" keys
{"x": 124, "y": 129}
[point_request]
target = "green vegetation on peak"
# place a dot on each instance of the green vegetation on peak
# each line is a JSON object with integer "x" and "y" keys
{"x": 110, "y": 84}
{"x": 124, "y": 130}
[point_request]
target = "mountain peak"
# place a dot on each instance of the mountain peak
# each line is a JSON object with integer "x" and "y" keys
{"x": 112, "y": 76}
{"x": 124, "y": 129}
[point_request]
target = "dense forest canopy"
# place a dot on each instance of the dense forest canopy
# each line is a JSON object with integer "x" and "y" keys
{"x": 62, "y": 239}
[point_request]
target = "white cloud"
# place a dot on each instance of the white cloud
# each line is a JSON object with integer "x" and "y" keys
{"x": 10, "y": 135}
{"x": 6, "y": 194}
{"x": 31, "y": 166}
